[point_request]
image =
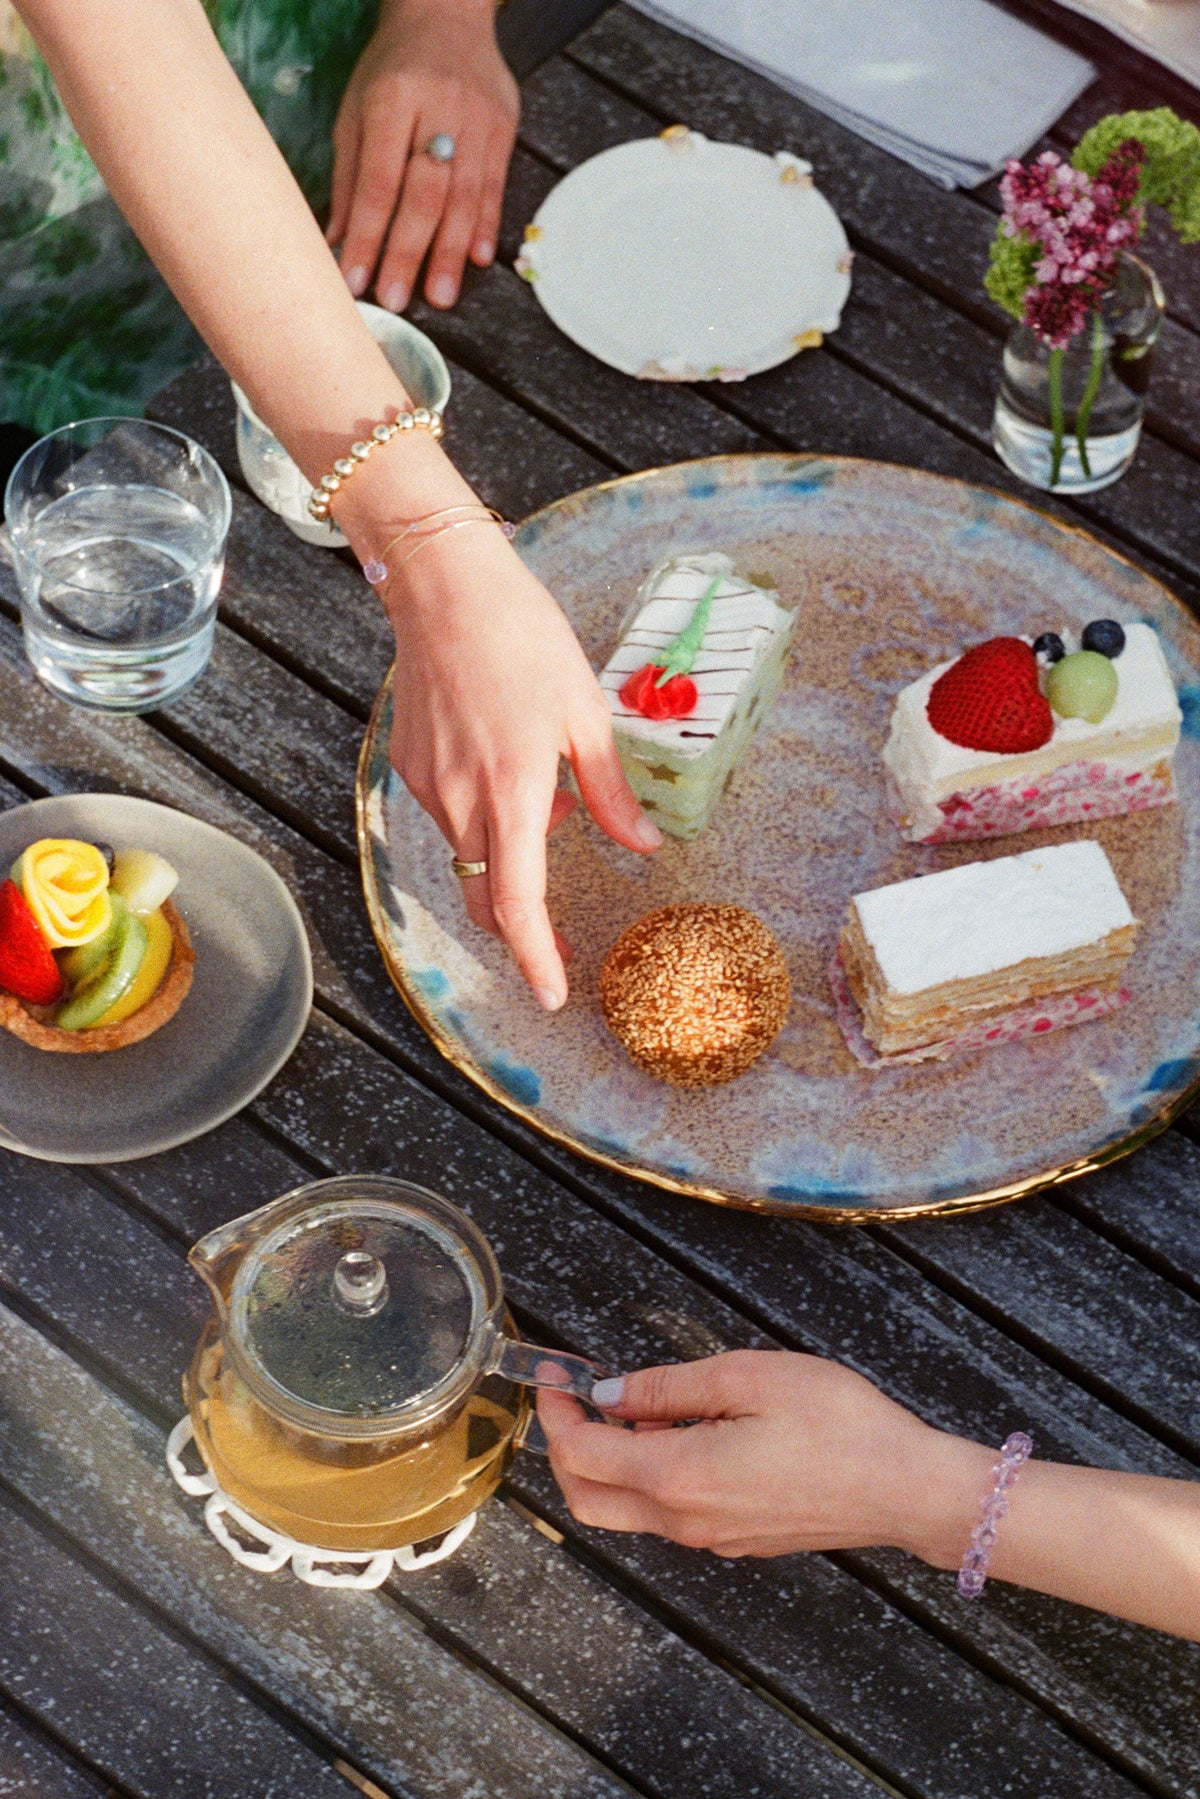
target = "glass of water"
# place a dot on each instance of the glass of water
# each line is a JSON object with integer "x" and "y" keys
{"x": 118, "y": 531}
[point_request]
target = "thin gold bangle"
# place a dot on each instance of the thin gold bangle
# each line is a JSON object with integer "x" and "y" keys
{"x": 427, "y": 537}
{"x": 323, "y": 493}
{"x": 377, "y": 571}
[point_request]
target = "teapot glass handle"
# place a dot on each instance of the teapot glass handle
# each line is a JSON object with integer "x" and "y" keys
{"x": 534, "y": 1367}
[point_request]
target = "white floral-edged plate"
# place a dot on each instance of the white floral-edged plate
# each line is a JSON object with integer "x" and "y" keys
{"x": 677, "y": 259}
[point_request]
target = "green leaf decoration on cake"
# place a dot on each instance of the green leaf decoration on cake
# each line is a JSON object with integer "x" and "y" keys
{"x": 680, "y": 654}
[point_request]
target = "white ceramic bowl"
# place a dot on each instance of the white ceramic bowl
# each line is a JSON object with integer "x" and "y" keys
{"x": 269, "y": 470}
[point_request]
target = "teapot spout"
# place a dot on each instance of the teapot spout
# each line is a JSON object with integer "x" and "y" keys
{"x": 217, "y": 1257}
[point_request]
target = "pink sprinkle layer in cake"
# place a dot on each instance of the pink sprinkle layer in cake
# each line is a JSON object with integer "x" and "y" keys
{"x": 943, "y": 792}
{"x": 986, "y": 953}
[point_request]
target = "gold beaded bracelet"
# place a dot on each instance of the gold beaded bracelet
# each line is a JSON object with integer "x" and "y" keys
{"x": 322, "y": 495}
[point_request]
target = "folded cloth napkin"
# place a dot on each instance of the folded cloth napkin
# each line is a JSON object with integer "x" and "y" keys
{"x": 955, "y": 87}
{"x": 1168, "y": 30}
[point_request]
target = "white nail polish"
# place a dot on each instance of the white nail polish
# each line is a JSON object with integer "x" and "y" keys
{"x": 441, "y": 291}
{"x": 356, "y": 280}
{"x": 485, "y": 250}
{"x": 547, "y": 997}
{"x": 647, "y": 833}
{"x": 609, "y": 1393}
{"x": 396, "y": 297}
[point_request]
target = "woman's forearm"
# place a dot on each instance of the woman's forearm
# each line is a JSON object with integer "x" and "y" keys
{"x": 1122, "y": 1543}
{"x": 196, "y": 173}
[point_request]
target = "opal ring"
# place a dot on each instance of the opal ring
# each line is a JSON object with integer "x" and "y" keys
{"x": 441, "y": 147}
{"x": 467, "y": 871}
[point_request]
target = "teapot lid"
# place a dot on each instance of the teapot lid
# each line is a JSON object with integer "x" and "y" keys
{"x": 364, "y": 1310}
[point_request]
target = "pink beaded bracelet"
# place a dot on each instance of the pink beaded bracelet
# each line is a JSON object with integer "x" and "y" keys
{"x": 971, "y": 1576}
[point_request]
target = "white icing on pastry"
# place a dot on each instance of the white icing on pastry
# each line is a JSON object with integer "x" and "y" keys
{"x": 743, "y": 622}
{"x": 984, "y": 916}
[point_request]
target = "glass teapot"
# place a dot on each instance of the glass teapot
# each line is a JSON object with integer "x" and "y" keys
{"x": 359, "y": 1386}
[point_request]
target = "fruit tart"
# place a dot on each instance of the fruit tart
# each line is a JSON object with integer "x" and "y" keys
{"x": 93, "y": 954}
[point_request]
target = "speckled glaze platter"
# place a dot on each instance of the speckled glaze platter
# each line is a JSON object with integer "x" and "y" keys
{"x": 892, "y": 570}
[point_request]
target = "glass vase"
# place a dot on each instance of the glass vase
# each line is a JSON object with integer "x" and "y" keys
{"x": 1068, "y": 421}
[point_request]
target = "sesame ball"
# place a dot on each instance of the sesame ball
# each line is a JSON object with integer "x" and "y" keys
{"x": 696, "y": 993}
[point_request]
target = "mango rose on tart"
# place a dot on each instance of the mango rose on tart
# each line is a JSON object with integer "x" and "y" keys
{"x": 93, "y": 954}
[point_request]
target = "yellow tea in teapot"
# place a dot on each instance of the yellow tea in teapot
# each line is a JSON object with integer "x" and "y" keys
{"x": 376, "y": 1493}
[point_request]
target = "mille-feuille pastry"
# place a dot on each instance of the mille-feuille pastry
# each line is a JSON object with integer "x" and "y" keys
{"x": 982, "y": 954}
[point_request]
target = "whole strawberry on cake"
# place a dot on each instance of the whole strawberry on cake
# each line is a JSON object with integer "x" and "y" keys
{"x": 1017, "y": 733}
{"x": 93, "y": 954}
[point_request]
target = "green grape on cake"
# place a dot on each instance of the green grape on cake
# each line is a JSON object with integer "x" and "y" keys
{"x": 1082, "y": 685}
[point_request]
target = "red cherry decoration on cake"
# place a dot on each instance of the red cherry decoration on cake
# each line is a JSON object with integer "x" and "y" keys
{"x": 676, "y": 698}
{"x": 27, "y": 968}
{"x": 990, "y": 700}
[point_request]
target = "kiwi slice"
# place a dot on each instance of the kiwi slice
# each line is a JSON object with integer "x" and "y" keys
{"x": 111, "y": 982}
{"x": 80, "y": 963}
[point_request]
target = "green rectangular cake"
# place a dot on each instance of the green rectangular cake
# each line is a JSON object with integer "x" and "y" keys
{"x": 700, "y": 660}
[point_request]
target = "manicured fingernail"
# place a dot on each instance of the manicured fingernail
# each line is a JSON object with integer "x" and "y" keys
{"x": 647, "y": 833}
{"x": 485, "y": 250}
{"x": 609, "y": 1393}
{"x": 396, "y": 297}
{"x": 442, "y": 290}
{"x": 550, "y": 999}
{"x": 356, "y": 280}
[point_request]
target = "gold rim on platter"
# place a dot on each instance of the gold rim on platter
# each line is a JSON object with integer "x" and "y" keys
{"x": 1148, "y": 1126}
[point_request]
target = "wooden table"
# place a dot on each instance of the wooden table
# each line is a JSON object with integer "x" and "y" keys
{"x": 546, "y": 1661}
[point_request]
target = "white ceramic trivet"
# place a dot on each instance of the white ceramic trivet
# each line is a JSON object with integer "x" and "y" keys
{"x": 315, "y": 1567}
{"x": 678, "y": 259}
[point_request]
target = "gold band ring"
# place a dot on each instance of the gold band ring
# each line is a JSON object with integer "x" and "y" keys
{"x": 467, "y": 871}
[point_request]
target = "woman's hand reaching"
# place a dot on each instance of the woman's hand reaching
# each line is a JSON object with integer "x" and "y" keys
{"x": 491, "y": 690}
{"x": 432, "y": 68}
{"x": 782, "y": 1452}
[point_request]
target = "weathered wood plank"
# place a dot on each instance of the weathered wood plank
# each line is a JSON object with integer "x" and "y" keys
{"x": 1115, "y": 1326}
{"x": 498, "y": 327}
{"x": 353, "y": 1668}
{"x": 127, "y": 1694}
{"x": 482, "y": 1606}
{"x": 32, "y": 1766}
{"x": 511, "y": 1602}
{"x": 1150, "y": 1204}
{"x": 840, "y": 1294}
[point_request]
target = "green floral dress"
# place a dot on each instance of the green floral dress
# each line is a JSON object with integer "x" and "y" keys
{"x": 86, "y": 324}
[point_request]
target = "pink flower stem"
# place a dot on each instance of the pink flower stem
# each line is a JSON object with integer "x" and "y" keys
{"x": 1095, "y": 376}
{"x": 1054, "y": 377}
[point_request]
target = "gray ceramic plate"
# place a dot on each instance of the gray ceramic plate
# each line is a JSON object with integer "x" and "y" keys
{"x": 892, "y": 570}
{"x": 236, "y": 1028}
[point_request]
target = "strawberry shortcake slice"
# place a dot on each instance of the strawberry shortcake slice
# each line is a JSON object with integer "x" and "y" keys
{"x": 1016, "y": 734}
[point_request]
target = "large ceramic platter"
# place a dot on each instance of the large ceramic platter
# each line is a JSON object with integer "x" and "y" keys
{"x": 891, "y": 570}
{"x": 248, "y": 1005}
{"x": 678, "y": 259}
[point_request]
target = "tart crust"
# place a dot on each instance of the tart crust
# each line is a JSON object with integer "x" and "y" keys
{"x": 23, "y": 1021}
